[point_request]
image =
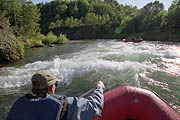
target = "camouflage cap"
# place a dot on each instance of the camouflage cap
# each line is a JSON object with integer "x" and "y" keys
{"x": 43, "y": 79}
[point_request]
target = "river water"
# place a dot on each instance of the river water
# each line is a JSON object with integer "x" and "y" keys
{"x": 152, "y": 65}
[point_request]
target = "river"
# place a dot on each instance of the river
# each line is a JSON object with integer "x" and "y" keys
{"x": 152, "y": 65}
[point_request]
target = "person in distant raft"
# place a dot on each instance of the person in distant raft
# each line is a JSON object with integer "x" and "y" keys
{"x": 43, "y": 104}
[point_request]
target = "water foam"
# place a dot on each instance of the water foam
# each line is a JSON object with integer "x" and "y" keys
{"x": 15, "y": 77}
{"x": 97, "y": 57}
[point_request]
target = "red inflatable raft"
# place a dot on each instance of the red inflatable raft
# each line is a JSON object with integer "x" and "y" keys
{"x": 134, "y": 103}
{"x": 135, "y": 40}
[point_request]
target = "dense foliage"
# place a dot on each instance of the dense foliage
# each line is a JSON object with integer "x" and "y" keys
{"x": 24, "y": 17}
{"x": 10, "y": 48}
{"x": 104, "y": 17}
{"x": 88, "y": 18}
{"x": 95, "y": 15}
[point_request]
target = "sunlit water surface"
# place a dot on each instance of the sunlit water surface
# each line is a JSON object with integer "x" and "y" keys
{"x": 152, "y": 65}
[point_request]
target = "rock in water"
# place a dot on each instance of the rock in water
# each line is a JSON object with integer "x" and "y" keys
{"x": 10, "y": 48}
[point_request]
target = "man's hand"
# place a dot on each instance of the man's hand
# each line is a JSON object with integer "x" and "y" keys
{"x": 100, "y": 84}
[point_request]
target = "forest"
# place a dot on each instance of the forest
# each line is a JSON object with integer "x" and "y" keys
{"x": 89, "y": 19}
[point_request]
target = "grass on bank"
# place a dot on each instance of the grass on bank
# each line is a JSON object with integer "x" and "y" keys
{"x": 41, "y": 40}
{"x": 167, "y": 35}
{"x": 62, "y": 39}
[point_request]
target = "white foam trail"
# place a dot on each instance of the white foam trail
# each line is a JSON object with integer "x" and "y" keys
{"x": 16, "y": 77}
{"x": 92, "y": 58}
{"x": 151, "y": 81}
{"x": 171, "y": 66}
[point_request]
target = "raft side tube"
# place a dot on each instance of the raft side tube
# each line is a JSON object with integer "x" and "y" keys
{"x": 135, "y": 103}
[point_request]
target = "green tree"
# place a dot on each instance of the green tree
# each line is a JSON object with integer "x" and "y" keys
{"x": 30, "y": 17}
{"x": 90, "y": 19}
{"x": 14, "y": 12}
{"x": 3, "y": 6}
{"x": 83, "y": 8}
{"x": 173, "y": 17}
{"x": 50, "y": 12}
{"x": 61, "y": 10}
{"x": 23, "y": 16}
{"x": 164, "y": 21}
{"x": 72, "y": 22}
{"x": 152, "y": 16}
{"x": 73, "y": 9}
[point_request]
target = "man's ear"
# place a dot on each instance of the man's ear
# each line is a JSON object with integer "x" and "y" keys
{"x": 51, "y": 89}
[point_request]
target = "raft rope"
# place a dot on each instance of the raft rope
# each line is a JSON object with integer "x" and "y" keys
{"x": 132, "y": 101}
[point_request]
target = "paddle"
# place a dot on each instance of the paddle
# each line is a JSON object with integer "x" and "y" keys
{"x": 99, "y": 83}
{"x": 84, "y": 95}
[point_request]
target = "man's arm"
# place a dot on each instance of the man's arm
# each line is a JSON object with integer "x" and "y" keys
{"x": 86, "y": 108}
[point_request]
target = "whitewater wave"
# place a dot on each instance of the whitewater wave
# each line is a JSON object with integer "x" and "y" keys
{"x": 104, "y": 57}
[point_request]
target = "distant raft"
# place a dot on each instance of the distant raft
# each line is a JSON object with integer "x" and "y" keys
{"x": 135, "y": 40}
{"x": 134, "y": 103}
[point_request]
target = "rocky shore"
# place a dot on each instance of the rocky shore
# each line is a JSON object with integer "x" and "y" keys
{"x": 10, "y": 48}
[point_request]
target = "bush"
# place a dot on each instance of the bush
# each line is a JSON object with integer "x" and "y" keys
{"x": 50, "y": 39}
{"x": 62, "y": 39}
{"x": 40, "y": 37}
{"x": 40, "y": 40}
{"x": 18, "y": 51}
{"x": 37, "y": 43}
{"x": 33, "y": 43}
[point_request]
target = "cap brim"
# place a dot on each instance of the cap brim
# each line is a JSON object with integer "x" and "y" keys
{"x": 58, "y": 80}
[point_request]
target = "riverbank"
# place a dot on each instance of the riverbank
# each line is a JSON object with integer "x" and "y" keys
{"x": 169, "y": 35}
{"x": 82, "y": 33}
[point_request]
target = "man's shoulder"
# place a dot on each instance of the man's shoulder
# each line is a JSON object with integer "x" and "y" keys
{"x": 59, "y": 97}
{"x": 21, "y": 98}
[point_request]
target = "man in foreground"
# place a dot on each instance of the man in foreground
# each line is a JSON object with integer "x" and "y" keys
{"x": 43, "y": 104}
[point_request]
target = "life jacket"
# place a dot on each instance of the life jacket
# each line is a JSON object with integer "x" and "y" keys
{"x": 48, "y": 108}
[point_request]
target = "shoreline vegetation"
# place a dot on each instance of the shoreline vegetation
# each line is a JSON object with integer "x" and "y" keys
{"x": 47, "y": 40}
{"x": 55, "y": 22}
{"x": 171, "y": 35}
